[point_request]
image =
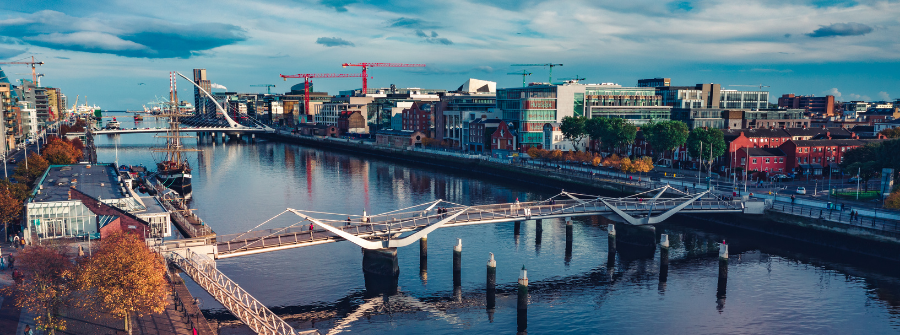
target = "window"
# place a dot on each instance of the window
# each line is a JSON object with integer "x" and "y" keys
{"x": 754, "y": 161}
{"x": 767, "y": 160}
{"x": 743, "y": 160}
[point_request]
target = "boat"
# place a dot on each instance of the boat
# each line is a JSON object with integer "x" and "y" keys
{"x": 173, "y": 170}
{"x": 138, "y": 117}
{"x": 112, "y": 124}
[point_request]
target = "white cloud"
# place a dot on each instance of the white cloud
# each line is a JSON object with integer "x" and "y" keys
{"x": 834, "y": 91}
{"x": 857, "y": 97}
{"x": 884, "y": 96}
{"x": 87, "y": 40}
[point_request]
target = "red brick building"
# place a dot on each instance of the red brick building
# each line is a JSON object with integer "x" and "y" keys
{"x": 504, "y": 138}
{"x": 111, "y": 219}
{"x": 761, "y": 162}
{"x": 813, "y": 156}
{"x": 815, "y": 105}
{"x": 419, "y": 117}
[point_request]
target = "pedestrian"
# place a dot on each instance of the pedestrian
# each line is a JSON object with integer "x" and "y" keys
{"x": 792, "y": 199}
{"x": 12, "y": 261}
{"x": 348, "y": 220}
{"x": 28, "y": 330}
{"x": 310, "y": 227}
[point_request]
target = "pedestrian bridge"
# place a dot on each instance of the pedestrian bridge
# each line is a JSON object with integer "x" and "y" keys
{"x": 236, "y": 130}
{"x": 382, "y": 230}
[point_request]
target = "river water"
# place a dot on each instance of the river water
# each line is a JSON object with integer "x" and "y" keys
{"x": 771, "y": 287}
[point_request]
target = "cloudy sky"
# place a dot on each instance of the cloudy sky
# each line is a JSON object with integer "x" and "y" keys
{"x": 105, "y": 50}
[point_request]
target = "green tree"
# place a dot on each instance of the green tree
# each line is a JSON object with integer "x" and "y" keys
{"x": 891, "y": 132}
{"x": 612, "y": 132}
{"x": 863, "y": 162}
{"x": 36, "y": 165}
{"x": 710, "y": 138}
{"x": 573, "y": 129}
{"x": 665, "y": 136}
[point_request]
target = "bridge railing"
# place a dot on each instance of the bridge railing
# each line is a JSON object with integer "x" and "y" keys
{"x": 243, "y": 305}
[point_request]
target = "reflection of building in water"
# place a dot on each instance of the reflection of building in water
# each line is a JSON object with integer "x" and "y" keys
{"x": 289, "y": 159}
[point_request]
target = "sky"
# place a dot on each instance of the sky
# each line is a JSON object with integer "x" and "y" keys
{"x": 118, "y": 53}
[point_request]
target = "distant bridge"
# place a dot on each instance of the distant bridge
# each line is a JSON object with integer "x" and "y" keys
{"x": 241, "y": 130}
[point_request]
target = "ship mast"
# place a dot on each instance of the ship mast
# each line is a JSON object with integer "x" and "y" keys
{"x": 173, "y": 137}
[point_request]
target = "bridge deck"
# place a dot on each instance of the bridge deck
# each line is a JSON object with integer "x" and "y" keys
{"x": 393, "y": 223}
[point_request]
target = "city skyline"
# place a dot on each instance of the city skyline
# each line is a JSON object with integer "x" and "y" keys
{"x": 105, "y": 51}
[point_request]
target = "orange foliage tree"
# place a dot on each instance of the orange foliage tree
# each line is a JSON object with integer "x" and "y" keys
{"x": 45, "y": 287}
{"x": 612, "y": 161}
{"x": 893, "y": 200}
{"x": 125, "y": 277}
{"x": 61, "y": 152}
{"x": 30, "y": 170}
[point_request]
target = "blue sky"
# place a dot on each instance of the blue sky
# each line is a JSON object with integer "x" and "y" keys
{"x": 105, "y": 49}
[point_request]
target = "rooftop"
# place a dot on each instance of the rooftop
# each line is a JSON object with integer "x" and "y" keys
{"x": 98, "y": 181}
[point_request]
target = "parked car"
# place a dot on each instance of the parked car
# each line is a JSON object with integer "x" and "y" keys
{"x": 801, "y": 190}
{"x": 854, "y": 179}
{"x": 782, "y": 177}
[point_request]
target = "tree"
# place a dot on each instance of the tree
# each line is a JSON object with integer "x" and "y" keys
{"x": 893, "y": 200}
{"x": 863, "y": 162}
{"x": 36, "y": 165}
{"x": 10, "y": 206}
{"x": 709, "y": 137}
{"x": 665, "y": 136}
{"x": 535, "y": 153}
{"x": 612, "y": 161}
{"x": 626, "y": 165}
{"x": 573, "y": 129}
{"x": 612, "y": 132}
{"x": 891, "y": 132}
{"x": 555, "y": 155}
{"x": 46, "y": 286}
{"x": 125, "y": 278}
{"x": 643, "y": 164}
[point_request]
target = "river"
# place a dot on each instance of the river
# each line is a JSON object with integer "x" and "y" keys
{"x": 772, "y": 287}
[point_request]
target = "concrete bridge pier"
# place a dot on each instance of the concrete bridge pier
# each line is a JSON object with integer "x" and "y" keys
{"x": 491, "y": 287}
{"x": 517, "y": 228}
{"x": 423, "y": 258}
{"x": 611, "y": 250}
{"x": 381, "y": 262}
{"x": 539, "y": 226}
{"x": 663, "y": 267}
{"x": 522, "y": 304}
{"x": 457, "y": 263}
{"x": 568, "y": 257}
{"x": 722, "y": 284}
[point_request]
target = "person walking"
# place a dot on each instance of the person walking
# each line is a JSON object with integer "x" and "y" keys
{"x": 792, "y": 199}
{"x": 348, "y": 220}
{"x": 310, "y": 227}
{"x": 28, "y": 330}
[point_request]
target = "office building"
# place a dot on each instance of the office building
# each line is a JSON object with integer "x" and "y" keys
{"x": 201, "y": 101}
{"x": 822, "y": 106}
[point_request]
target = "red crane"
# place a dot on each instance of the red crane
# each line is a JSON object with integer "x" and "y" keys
{"x": 32, "y": 63}
{"x": 366, "y": 66}
{"x": 307, "y": 76}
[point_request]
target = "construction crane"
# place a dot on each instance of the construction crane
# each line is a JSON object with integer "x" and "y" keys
{"x": 551, "y": 65}
{"x": 267, "y": 86}
{"x": 759, "y": 85}
{"x": 39, "y": 75}
{"x": 32, "y": 63}
{"x": 523, "y": 74}
{"x": 307, "y": 76}
{"x": 576, "y": 79}
{"x": 366, "y": 66}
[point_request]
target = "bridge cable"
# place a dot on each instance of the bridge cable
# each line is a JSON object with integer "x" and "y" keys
{"x": 257, "y": 226}
{"x": 265, "y": 237}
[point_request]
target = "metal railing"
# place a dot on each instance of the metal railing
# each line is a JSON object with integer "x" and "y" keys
{"x": 837, "y": 216}
{"x": 240, "y": 303}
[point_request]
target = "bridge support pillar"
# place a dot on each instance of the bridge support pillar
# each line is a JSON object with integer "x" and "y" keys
{"x": 517, "y": 227}
{"x": 611, "y": 250}
{"x": 568, "y": 256}
{"x": 722, "y": 284}
{"x": 522, "y": 304}
{"x": 663, "y": 269}
{"x": 539, "y": 226}
{"x": 491, "y": 288}
{"x": 457, "y": 263}
{"x": 423, "y": 258}
{"x": 611, "y": 230}
{"x": 381, "y": 262}
{"x": 664, "y": 241}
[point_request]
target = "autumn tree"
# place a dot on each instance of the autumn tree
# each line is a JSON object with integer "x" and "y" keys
{"x": 534, "y": 153}
{"x": 625, "y": 165}
{"x": 125, "y": 278}
{"x": 32, "y": 168}
{"x": 10, "y": 205}
{"x": 612, "y": 161}
{"x": 893, "y": 200}
{"x": 891, "y": 132}
{"x": 46, "y": 286}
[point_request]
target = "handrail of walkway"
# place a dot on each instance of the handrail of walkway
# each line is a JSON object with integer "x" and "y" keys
{"x": 240, "y": 303}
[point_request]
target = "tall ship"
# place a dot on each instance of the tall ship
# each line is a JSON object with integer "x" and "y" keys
{"x": 173, "y": 170}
